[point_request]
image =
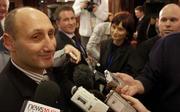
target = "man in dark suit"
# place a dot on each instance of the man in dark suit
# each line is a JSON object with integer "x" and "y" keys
{"x": 29, "y": 37}
{"x": 66, "y": 22}
{"x": 142, "y": 24}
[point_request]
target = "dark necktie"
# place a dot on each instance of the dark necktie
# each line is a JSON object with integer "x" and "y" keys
{"x": 79, "y": 46}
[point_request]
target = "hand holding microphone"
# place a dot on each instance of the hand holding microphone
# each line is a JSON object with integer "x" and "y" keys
{"x": 114, "y": 100}
{"x": 132, "y": 86}
{"x": 135, "y": 103}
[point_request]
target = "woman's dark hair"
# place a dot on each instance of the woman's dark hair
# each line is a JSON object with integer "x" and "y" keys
{"x": 127, "y": 22}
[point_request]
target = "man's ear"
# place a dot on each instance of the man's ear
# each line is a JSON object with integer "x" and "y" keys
{"x": 8, "y": 42}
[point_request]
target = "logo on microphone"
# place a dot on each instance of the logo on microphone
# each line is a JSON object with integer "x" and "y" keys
{"x": 36, "y": 107}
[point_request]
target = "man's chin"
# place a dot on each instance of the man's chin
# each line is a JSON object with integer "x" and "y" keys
{"x": 46, "y": 65}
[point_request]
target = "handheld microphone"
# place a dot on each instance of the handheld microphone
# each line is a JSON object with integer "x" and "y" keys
{"x": 88, "y": 102}
{"x": 83, "y": 76}
{"x": 112, "y": 80}
{"x": 98, "y": 76}
{"x": 47, "y": 93}
{"x": 45, "y": 98}
{"x": 114, "y": 100}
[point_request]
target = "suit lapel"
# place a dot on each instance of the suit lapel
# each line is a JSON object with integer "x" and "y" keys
{"x": 25, "y": 86}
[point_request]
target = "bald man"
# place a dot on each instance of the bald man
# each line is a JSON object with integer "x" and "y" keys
{"x": 169, "y": 19}
{"x": 29, "y": 37}
{"x": 161, "y": 74}
{"x": 169, "y": 22}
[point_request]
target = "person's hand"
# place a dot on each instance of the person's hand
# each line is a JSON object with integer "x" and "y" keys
{"x": 135, "y": 103}
{"x": 135, "y": 35}
{"x": 75, "y": 54}
{"x": 131, "y": 87}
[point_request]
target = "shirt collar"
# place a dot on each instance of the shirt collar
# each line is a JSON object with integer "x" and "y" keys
{"x": 69, "y": 35}
{"x": 141, "y": 18}
{"x": 34, "y": 76}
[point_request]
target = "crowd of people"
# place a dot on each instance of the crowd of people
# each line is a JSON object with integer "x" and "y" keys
{"x": 32, "y": 50}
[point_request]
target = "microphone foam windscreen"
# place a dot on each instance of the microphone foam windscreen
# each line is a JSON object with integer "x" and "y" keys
{"x": 83, "y": 76}
{"x": 47, "y": 93}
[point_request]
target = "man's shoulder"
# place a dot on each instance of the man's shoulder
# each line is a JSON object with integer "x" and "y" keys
{"x": 60, "y": 34}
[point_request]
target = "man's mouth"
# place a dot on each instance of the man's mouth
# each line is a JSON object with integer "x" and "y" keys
{"x": 47, "y": 56}
{"x": 168, "y": 31}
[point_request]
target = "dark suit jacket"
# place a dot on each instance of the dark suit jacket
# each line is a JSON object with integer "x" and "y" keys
{"x": 162, "y": 72}
{"x": 62, "y": 39}
{"x": 15, "y": 88}
{"x": 64, "y": 74}
{"x": 144, "y": 49}
{"x": 66, "y": 71}
{"x": 122, "y": 60}
{"x": 141, "y": 29}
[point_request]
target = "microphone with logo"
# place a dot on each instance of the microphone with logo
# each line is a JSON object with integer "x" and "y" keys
{"x": 45, "y": 98}
{"x": 86, "y": 100}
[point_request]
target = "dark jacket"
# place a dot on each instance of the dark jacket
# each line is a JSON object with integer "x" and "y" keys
{"x": 144, "y": 49}
{"x": 162, "y": 72}
{"x": 16, "y": 87}
{"x": 142, "y": 28}
{"x": 64, "y": 74}
{"x": 116, "y": 58}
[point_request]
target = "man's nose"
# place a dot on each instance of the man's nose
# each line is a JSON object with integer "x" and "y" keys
{"x": 168, "y": 23}
{"x": 50, "y": 43}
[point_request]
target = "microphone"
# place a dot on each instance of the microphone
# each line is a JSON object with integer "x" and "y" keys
{"x": 88, "y": 102}
{"x": 83, "y": 76}
{"x": 114, "y": 100}
{"x": 84, "y": 79}
{"x": 98, "y": 76}
{"x": 84, "y": 99}
{"x": 47, "y": 93}
{"x": 45, "y": 98}
{"x": 112, "y": 80}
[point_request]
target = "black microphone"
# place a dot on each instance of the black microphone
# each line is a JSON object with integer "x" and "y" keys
{"x": 83, "y": 76}
{"x": 98, "y": 76}
{"x": 45, "y": 99}
{"x": 47, "y": 93}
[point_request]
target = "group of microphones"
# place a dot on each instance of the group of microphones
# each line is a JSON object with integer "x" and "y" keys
{"x": 90, "y": 100}
{"x": 84, "y": 95}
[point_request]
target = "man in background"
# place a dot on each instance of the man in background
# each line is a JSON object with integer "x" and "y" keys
{"x": 4, "y": 6}
{"x": 66, "y": 22}
{"x": 91, "y": 13}
{"x": 142, "y": 24}
{"x": 4, "y": 57}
